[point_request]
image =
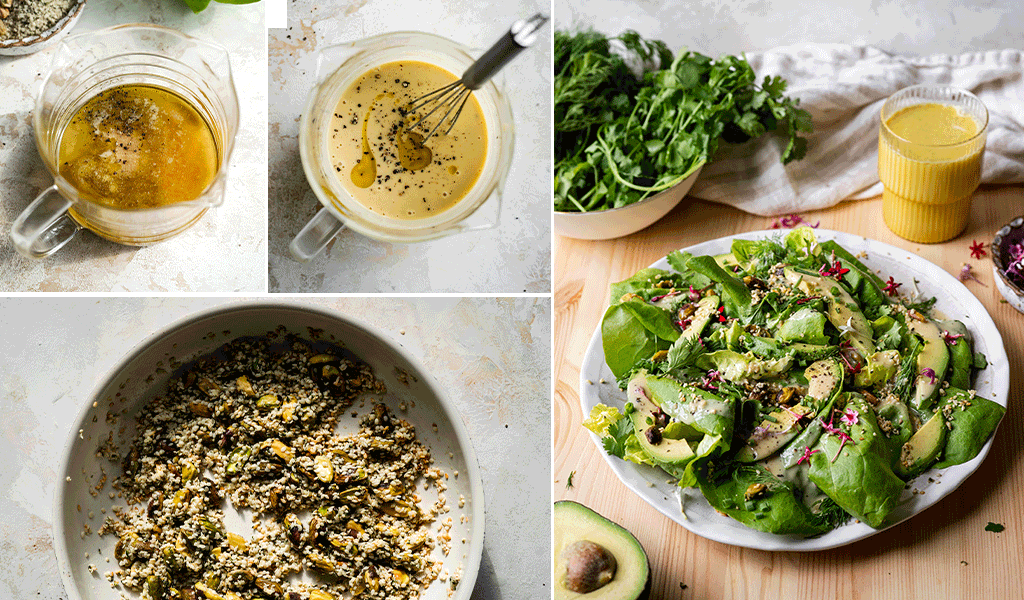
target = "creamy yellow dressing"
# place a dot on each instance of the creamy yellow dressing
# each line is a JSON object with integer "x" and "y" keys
{"x": 391, "y": 171}
{"x": 138, "y": 146}
{"x": 929, "y": 162}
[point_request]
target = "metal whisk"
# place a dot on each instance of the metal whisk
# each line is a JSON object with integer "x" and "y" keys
{"x": 452, "y": 97}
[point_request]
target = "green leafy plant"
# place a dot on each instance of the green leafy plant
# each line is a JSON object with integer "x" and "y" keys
{"x": 620, "y": 138}
{"x": 199, "y": 6}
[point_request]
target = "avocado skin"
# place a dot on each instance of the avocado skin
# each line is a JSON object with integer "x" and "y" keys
{"x": 568, "y": 513}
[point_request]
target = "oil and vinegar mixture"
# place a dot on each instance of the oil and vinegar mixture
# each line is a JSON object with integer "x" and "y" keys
{"x": 138, "y": 146}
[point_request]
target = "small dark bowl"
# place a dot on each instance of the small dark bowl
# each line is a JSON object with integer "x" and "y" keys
{"x": 1012, "y": 233}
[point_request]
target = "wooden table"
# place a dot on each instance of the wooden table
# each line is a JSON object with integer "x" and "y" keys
{"x": 943, "y": 552}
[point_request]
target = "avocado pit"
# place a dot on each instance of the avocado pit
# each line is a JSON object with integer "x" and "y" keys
{"x": 588, "y": 566}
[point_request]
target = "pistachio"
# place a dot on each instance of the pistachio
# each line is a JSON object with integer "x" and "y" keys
{"x": 288, "y": 410}
{"x": 155, "y": 587}
{"x": 755, "y": 490}
{"x": 207, "y": 591}
{"x": 320, "y": 595}
{"x": 244, "y": 385}
{"x": 199, "y": 409}
{"x": 232, "y": 596}
{"x": 323, "y": 468}
{"x": 400, "y": 508}
{"x": 322, "y": 358}
{"x": 353, "y": 526}
{"x": 294, "y": 528}
{"x": 208, "y": 386}
{"x": 269, "y": 588}
{"x": 659, "y": 356}
{"x": 786, "y": 396}
{"x": 687, "y": 310}
{"x": 282, "y": 450}
{"x": 180, "y": 497}
{"x": 237, "y": 459}
{"x": 267, "y": 401}
{"x": 401, "y": 577}
{"x": 211, "y": 526}
{"x": 236, "y": 541}
{"x": 353, "y": 495}
{"x": 188, "y": 470}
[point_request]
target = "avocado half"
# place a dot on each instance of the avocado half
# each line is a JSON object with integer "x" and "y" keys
{"x": 575, "y": 523}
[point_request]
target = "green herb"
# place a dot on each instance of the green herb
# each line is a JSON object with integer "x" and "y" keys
{"x": 618, "y": 432}
{"x": 568, "y": 482}
{"x": 996, "y": 527}
{"x": 199, "y": 6}
{"x": 619, "y": 139}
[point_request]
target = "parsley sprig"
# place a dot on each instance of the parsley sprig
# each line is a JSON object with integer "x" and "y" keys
{"x": 619, "y": 139}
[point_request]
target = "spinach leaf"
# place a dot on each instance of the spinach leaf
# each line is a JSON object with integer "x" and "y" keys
{"x": 960, "y": 360}
{"x": 859, "y": 478}
{"x": 735, "y": 296}
{"x": 656, "y": 320}
{"x": 972, "y": 421}
{"x": 625, "y": 340}
{"x": 644, "y": 283}
{"x": 776, "y": 509}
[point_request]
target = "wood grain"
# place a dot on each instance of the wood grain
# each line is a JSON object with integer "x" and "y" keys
{"x": 943, "y": 552}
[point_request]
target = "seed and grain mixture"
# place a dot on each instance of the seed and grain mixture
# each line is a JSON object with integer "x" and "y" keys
{"x": 23, "y": 18}
{"x": 254, "y": 426}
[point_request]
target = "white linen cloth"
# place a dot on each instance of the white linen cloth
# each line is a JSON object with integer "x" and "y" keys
{"x": 843, "y": 87}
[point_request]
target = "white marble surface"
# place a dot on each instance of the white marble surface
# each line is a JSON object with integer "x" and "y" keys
{"x": 225, "y": 251}
{"x": 514, "y": 257}
{"x": 492, "y": 356}
{"x": 717, "y": 27}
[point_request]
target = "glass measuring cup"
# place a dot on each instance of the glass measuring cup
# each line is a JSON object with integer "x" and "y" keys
{"x": 87, "y": 64}
{"x": 337, "y": 67}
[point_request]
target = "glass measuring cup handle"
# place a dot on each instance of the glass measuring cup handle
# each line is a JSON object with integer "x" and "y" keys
{"x": 315, "y": 236}
{"x": 44, "y": 226}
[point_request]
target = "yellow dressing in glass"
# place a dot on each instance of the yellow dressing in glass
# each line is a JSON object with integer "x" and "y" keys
{"x": 390, "y": 170}
{"x": 929, "y": 161}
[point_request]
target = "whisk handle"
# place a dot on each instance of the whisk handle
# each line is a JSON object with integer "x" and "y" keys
{"x": 518, "y": 38}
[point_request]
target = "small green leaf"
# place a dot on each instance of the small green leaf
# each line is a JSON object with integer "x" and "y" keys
{"x": 995, "y": 527}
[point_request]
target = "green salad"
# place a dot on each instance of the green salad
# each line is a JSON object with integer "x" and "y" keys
{"x": 789, "y": 383}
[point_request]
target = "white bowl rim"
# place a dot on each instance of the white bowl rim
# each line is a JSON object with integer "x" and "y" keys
{"x": 470, "y": 566}
{"x": 692, "y": 176}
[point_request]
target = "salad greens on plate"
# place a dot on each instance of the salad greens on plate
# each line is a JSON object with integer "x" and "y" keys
{"x": 788, "y": 383}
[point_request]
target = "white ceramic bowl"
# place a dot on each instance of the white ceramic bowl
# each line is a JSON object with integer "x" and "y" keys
{"x": 619, "y": 222}
{"x": 51, "y": 36}
{"x": 144, "y": 372}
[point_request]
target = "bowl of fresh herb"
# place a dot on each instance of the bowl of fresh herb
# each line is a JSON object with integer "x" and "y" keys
{"x": 1008, "y": 262}
{"x": 31, "y": 25}
{"x": 634, "y": 125}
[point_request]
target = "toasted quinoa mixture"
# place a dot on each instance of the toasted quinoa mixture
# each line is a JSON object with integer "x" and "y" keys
{"x": 254, "y": 426}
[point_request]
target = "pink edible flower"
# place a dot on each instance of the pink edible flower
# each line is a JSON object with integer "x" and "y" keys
{"x": 842, "y": 435}
{"x": 668, "y": 295}
{"x": 693, "y": 294}
{"x": 807, "y": 454}
{"x": 891, "y": 287}
{"x": 793, "y": 220}
{"x": 951, "y": 338}
{"x": 850, "y": 417}
{"x": 836, "y": 270}
{"x": 966, "y": 273}
{"x": 930, "y": 374}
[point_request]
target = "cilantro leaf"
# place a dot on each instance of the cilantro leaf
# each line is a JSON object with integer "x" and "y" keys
{"x": 995, "y": 527}
{"x": 615, "y": 442}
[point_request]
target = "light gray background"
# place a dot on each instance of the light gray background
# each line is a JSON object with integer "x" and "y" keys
{"x": 514, "y": 257}
{"x": 492, "y": 355}
{"x": 733, "y": 26}
{"x": 225, "y": 251}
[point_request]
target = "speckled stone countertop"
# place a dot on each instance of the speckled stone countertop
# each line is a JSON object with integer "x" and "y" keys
{"x": 492, "y": 355}
{"x": 225, "y": 251}
{"x": 514, "y": 257}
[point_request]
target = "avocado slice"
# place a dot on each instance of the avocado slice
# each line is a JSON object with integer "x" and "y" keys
{"x": 805, "y": 353}
{"x": 843, "y": 310}
{"x": 824, "y": 377}
{"x": 575, "y": 564}
{"x": 706, "y": 307}
{"x": 774, "y": 432}
{"x": 727, "y": 260}
{"x": 933, "y": 356}
{"x": 703, "y": 411}
{"x": 666, "y": 451}
{"x": 923, "y": 448}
